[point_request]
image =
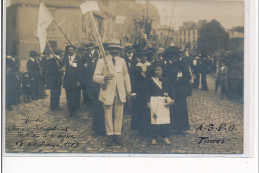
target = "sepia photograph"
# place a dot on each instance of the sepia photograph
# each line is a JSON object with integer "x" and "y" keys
{"x": 124, "y": 77}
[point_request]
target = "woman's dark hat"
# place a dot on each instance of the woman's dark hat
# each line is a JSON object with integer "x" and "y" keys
{"x": 33, "y": 53}
{"x": 151, "y": 50}
{"x": 172, "y": 52}
{"x": 142, "y": 52}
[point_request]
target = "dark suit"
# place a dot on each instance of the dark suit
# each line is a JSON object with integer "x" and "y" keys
{"x": 34, "y": 71}
{"x": 71, "y": 78}
{"x": 55, "y": 82}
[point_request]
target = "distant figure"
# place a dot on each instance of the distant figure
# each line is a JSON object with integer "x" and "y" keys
{"x": 71, "y": 83}
{"x": 10, "y": 81}
{"x": 26, "y": 87}
{"x": 204, "y": 70}
{"x": 34, "y": 71}
{"x": 196, "y": 72}
{"x": 222, "y": 79}
{"x": 54, "y": 72}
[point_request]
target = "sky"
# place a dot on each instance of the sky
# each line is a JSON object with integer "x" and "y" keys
{"x": 228, "y": 13}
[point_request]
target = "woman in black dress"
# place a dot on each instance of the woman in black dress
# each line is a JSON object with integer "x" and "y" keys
{"x": 179, "y": 77}
{"x": 140, "y": 118}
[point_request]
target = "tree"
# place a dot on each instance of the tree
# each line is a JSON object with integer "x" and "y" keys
{"x": 212, "y": 38}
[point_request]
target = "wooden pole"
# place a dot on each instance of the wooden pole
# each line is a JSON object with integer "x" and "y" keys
{"x": 62, "y": 31}
{"x": 50, "y": 46}
{"x": 76, "y": 32}
{"x": 169, "y": 26}
{"x": 99, "y": 41}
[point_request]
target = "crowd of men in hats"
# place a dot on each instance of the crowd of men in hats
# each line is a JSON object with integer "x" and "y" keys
{"x": 151, "y": 85}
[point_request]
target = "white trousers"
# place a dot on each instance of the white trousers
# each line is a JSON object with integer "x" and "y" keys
{"x": 113, "y": 124}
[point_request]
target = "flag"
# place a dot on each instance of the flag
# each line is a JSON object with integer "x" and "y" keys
{"x": 44, "y": 20}
{"x": 120, "y": 19}
{"x": 89, "y": 6}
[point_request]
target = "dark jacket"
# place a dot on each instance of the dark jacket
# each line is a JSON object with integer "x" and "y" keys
{"x": 34, "y": 70}
{"x": 181, "y": 82}
{"x": 54, "y": 73}
{"x": 154, "y": 90}
{"x": 72, "y": 72}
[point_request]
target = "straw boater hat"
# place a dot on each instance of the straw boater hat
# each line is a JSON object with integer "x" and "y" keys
{"x": 114, "y": 46}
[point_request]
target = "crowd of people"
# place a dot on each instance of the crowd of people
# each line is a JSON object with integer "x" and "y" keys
{"x": 151, "y": 85}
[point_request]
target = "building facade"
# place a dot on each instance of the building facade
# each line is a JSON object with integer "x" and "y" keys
{"x": 164, "y": 32}
{"x": 188, "y": 34}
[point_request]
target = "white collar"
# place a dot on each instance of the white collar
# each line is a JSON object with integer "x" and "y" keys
{"x": 143, "y": 64}
{"x": 32, "y": 59}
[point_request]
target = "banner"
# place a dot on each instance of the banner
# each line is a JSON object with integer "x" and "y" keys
{"x": 44, "y": 20}
{"x": 89, "y": 6}
{"x": 120, "y": 19}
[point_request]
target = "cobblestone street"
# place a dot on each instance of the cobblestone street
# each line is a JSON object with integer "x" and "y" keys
{"x": 74, "y": 135}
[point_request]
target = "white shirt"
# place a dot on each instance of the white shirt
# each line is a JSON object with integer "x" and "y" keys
{"x": 71, "y": 59}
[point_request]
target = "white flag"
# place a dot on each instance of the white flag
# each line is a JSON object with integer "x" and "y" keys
{"x": 89, "y": 6}
{"x": 120, "y": 19}
{"x": 44, "y": 20}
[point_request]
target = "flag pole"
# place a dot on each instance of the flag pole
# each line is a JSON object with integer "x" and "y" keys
{"x": 58, "y": 26}
{"x": 76, "y": 32}
{"x": 169, "y": 26}
{"x": 50, "y": 46}
{"x": 61, "y": 31}
{"x": 99, "y": 41}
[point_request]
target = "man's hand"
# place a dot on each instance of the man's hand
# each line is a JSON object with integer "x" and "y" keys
{"x": 128, "y": 94}
{"x": 85, "y": 65}
{"x": 108, "y": 77}
{"x": 78, "y": 84}
{"x": 148, "y": 105}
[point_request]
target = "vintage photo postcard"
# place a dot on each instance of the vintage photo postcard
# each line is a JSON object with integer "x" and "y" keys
{"x": 125, "y": 77}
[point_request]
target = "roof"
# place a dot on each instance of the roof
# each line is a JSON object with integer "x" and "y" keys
{"x": 192, "y": 25}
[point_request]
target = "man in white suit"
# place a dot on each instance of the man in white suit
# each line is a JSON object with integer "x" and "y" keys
{"x": 115, "y": 87}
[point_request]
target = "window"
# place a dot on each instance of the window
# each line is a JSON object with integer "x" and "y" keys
{"x": 194, "y": 32}
{"x": 180, "y": 33}
{"x": 180, "y": 40}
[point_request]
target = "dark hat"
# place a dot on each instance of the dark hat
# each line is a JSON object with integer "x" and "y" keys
{"x": 90, "y": 45}
{"x": 47, "y": 51}
{"x": 57, "y": 51}
{"x": 69, "y": 46}
{"x": 82, "y": 48}
{"x": 142, "y": 52}
{"x": 172, "y": 52}
{"x": 151, "y": 50}
{"x": 33, "y": 53}
{"x": 105, "y": 45}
